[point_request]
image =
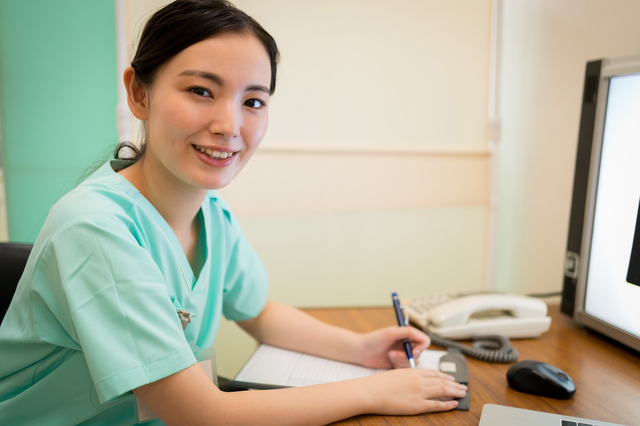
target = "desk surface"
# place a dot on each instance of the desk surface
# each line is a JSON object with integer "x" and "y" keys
{"x": 607, "y": 375}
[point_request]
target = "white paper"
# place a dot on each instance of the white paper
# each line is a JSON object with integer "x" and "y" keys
{"x": 280, "y": 367}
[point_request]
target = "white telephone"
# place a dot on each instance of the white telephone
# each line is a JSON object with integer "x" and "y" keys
{"x": 463, "y": 316}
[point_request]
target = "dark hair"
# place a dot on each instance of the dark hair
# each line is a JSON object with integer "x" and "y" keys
{"x": 183, "y": 23}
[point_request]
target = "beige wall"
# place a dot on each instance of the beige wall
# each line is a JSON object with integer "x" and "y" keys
{"x": 371, "y": 72}
{"x": 378, "y": 121}
{"x": 345, "y": 228}
{"x": 374, "y": 174}
{"x": 546, "y": 45}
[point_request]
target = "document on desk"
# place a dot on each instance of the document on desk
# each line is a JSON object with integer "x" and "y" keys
{"x": 270, "y": 367}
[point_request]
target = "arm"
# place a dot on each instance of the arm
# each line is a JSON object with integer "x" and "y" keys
{"x": 289, "y": 328}
{"x": 189, "y": 397}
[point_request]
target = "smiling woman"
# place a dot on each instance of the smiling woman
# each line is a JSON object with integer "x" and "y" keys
{"x": 197, "y": 103}
{"x": 127, "y": 282}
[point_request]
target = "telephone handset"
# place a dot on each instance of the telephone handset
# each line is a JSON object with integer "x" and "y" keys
{"x": 488, "y": 319}
{"x": 465, "y": 316}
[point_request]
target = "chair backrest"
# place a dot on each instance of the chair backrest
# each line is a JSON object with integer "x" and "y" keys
{"x": 13, "y": 258}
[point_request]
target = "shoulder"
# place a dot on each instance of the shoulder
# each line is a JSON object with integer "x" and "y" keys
{"x": 103, "y": 194}
{"x": 217, "y": 205}
{"x": 104, "y": 202}
{"x": 220, "y": 217}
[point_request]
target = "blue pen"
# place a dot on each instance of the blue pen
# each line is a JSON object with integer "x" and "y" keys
{"x": 401, "y": 323}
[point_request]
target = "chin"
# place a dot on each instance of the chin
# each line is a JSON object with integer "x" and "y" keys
{"x": 207, "y": 179}
{"x": 214, "y": 179}
{"x": 215, "y": 184}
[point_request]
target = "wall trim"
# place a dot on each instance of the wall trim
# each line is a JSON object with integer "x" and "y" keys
{"x": 373, "y": 149}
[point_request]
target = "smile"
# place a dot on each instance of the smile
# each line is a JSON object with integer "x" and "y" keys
{"x": 217, "y": 155}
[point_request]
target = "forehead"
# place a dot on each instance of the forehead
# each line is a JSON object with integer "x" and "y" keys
{"x": 230, "y": 55}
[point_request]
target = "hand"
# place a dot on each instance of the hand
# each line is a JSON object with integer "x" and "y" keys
{"x": 383, "y": 348}
{"x": 412, "y": 391}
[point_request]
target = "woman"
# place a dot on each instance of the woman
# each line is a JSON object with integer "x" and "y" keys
{"x": 94, "y": 317}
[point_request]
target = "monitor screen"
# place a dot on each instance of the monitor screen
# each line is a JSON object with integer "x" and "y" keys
{"x": 601, "y": 286}
{"x": 609, "y": 295}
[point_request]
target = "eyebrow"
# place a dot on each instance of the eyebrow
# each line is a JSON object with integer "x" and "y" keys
{"x": 220, "y": 82}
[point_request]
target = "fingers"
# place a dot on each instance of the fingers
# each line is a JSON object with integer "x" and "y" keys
{"x": 416, "y": 336}
{"x": 437, "y": 391}
{"x": 440, "y": 386}
{"x": 444, "y": 390}
{"x": 435, "y": 374}
{"x": 436, "y": 406}
{"x": 398, "y": 359}
{"x": 414, "y": 391}
{"x": 419, "y": 340}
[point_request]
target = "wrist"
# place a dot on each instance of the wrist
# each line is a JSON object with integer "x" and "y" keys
{"x": 359, "y": 348}
{"x": 366, "y": 396}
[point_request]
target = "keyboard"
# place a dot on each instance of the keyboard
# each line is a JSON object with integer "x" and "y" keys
{"x": 500, "y": 415}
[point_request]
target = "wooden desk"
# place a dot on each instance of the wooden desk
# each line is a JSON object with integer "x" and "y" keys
{"x": 607, "y": 375}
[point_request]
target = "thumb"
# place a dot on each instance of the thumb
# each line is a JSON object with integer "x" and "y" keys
{"x": 398, "y": 359}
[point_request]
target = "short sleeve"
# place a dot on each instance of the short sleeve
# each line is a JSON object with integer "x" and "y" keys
{"x": 116, "y": 303}
{"x": 246, "y": 279}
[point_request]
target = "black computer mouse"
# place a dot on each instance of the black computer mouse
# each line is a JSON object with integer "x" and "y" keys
{"x": 539, "y": 378}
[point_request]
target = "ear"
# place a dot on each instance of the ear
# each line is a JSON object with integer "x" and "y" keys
{"x": 136, "y": 95}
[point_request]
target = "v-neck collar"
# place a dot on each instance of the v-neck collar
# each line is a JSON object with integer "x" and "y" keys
{"x": 189, "y": 278}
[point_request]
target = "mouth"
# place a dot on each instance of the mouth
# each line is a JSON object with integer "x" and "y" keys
{"x": 216, "y": 155}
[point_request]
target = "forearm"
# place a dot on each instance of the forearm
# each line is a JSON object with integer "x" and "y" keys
{"x": 188, "y": 397}
{"x": 288, "y": 327}
{"x": 308, "y": 405}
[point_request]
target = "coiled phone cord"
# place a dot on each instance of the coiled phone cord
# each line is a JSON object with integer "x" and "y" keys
{"x": 493, "y": 348}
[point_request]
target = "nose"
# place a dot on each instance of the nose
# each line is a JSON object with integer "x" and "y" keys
{"x": 226, "y": 119}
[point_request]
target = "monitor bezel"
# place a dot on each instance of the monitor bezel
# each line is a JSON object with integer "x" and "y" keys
{"x": 614, "y": 67}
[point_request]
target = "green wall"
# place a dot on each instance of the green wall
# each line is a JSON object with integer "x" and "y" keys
{"x": 58, "y": 95}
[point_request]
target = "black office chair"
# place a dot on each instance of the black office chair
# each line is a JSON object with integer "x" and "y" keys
{"x": 13, "y": 259}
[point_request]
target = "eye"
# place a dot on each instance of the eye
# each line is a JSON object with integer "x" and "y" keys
{"x": 254, "y": 103}
{"x": 200, "y": 91}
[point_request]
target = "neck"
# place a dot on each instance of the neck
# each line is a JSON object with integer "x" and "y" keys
{"x": 177, "y": 202}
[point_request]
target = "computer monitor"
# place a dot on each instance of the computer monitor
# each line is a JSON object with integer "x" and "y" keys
{"x": 601, "y": 288}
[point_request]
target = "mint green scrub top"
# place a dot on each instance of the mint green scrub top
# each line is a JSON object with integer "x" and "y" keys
{"x": 94, "y": 315}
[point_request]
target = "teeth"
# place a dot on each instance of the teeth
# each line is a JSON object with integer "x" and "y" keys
{"x": 214, "y": 154}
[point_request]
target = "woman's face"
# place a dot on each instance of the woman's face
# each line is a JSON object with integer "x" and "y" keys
{"x": 207, "y": 110}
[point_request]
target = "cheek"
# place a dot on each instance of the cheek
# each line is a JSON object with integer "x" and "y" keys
{"x": 175, "y": 116}
{"x": 256, "y": 128}
{"x": 179, "y": 118}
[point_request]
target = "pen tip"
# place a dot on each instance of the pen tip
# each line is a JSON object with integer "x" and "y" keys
{"x": 412, "y": 363}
